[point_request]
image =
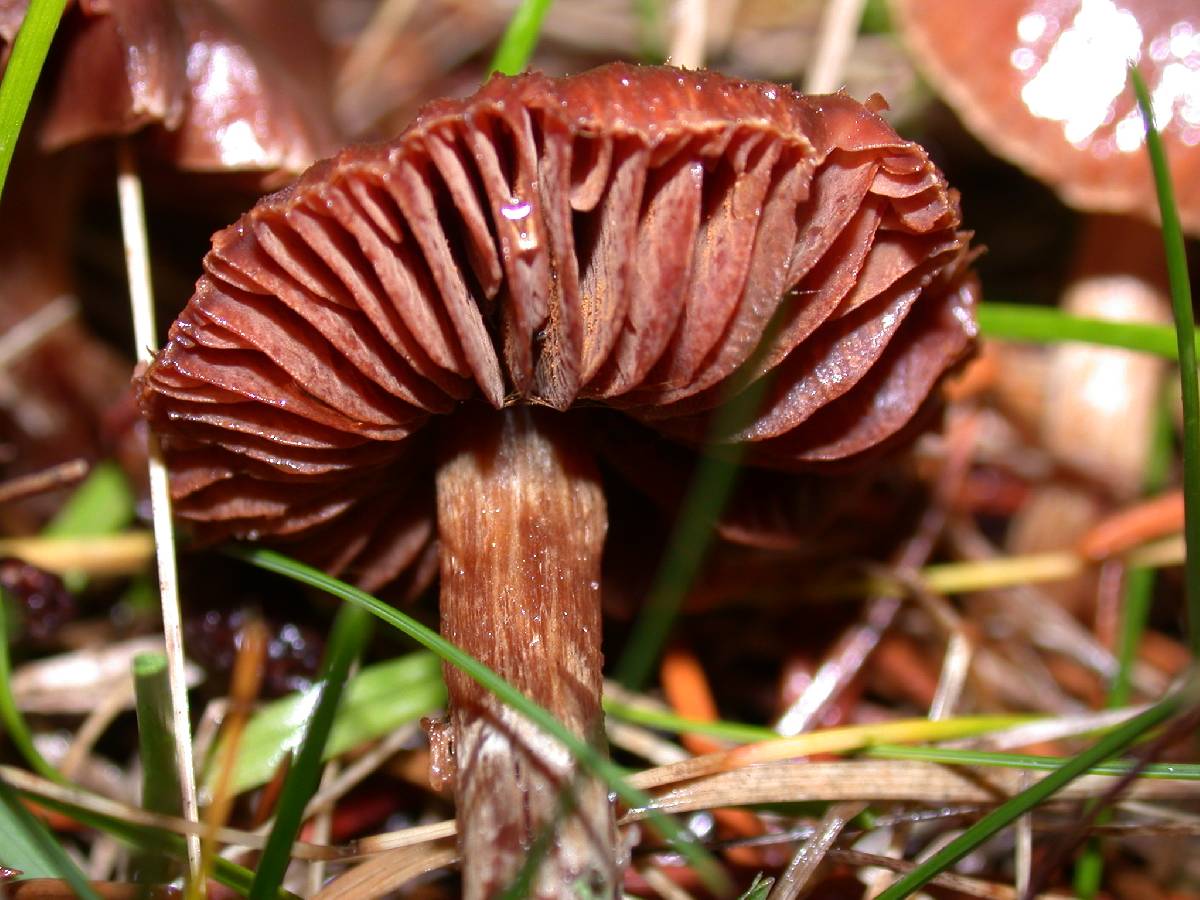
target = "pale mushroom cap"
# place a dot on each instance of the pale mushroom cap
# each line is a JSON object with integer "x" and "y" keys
{"x": 1044, "y": 84}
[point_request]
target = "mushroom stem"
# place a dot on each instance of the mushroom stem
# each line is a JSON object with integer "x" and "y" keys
{"x": 521, "y": 519}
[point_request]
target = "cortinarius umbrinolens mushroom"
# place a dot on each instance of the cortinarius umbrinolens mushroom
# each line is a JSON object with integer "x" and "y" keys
{"x": 622, "y": 237}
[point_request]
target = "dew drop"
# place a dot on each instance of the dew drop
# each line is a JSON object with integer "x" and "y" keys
{"x": 516, "y": 209}
{"x": 527, "y": 241}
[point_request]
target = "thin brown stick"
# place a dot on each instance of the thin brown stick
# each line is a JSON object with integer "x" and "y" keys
{"x": 48, "y": 479}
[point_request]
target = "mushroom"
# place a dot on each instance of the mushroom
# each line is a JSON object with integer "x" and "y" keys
{"x": 460, "y": 300}
{"x": 221, "y": 92}
{"x": 1044, "y": 84}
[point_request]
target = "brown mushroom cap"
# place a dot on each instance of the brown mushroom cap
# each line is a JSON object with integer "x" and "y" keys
{"x": 223, "y": 97}
{"x": 1044, "y": 83}
{"x": 645, "y": 238}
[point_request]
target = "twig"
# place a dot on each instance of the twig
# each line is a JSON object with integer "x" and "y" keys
{"x": 47, "y": 479}
{"x": 35, "y": 328}
{"x": 103, "y": 712}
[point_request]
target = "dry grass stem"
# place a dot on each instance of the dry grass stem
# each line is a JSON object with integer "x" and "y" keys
{"x": 31, "y": 784}
{"x": 407, "y": 837}
{"x": 322, "y": 828}
{"x": 956, "y": 664}
{"x": 1023, "y": 846}
{"x": 662, "y": 884}
{"x": 876, "y": 780}
{"x": 691, "y": 34}
{"x": 836, "y": 35}
{"x": 812, "y": 852}
{"x": 102, "y": 713}
{"x": 1045, "y": 730}
{"x": 354, "y": 773}
{"x": 644, "y": 743}
{"x": 137, "y": 260}
{"x": 68, "y": 684}
{"x": 101, "y": 556}
{"x": 373, "y": 44}
{"x": 973, "y": 887}
{"x": 388, "y": 872}
{"x": 841, "y": 666}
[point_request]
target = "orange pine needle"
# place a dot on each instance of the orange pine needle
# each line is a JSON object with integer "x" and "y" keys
{"x": 686, "y": 689}
{"x": 1134, "y": 525}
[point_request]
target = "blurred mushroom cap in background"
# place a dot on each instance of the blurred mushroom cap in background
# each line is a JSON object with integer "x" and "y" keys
{"x": 224, "y": 86}
{"x": 1044, "y": 84}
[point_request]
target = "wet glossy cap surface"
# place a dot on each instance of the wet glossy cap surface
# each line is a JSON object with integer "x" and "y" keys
{"x": 1044, "y": 83}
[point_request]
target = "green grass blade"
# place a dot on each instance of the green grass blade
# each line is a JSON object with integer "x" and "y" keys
{"x": 649, "y": 30}
{"x": 351, "y": 631}
{"x": 1185, "y": 326}
{"x": 28, "y": 845}
{"x": 24, "y": 66}
{"x": 143, "y": 838}
{"x": 10, "y": 716}
{"x": 1047, "y": 325}
{"x": 1139, "y": 582}
{"x": 712, "y": 484}
{"x": 591, "y": 758}
{"x": 521, "y": 36}
{"x": 876, "y": 18}
{"x": 1135, "y": 612}
{"x": 759, "y": 889}
{"x": 156, "y": 747}
{"x": 156, "y": 740}
{"x": 1009, "y": 811}
{"x": 378, "y": 700}
{"x": 103, "y": 504}
{"x": 1089, "y": 871}
{"x": 665, "y": 721}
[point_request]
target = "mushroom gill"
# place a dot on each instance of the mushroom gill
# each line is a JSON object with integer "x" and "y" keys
{"x": 649, "y": 239}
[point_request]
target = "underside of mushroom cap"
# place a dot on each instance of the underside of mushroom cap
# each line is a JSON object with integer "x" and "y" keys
{"x": 649, "y": 239}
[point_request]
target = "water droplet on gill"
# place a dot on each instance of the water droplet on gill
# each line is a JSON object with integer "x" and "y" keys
{"x": 516, "y": 209}
{"x": 527, "y": 241}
